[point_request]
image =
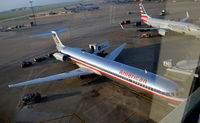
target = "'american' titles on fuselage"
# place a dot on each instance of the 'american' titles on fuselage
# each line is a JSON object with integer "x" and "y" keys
{"x": 134, "y": 77}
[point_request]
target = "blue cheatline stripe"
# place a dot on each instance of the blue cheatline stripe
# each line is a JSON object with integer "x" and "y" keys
{"x": 144, "y": 12}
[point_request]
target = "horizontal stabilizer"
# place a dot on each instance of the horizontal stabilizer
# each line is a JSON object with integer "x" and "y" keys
{"x": 73, "y": 73}
{"x": 48, "y": 33}
{"x": 113, "y": 55}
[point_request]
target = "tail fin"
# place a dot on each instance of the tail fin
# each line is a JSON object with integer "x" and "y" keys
{"x": 54, "y": 35}
{"x": 56, "y": 39}
{"x": 144, "y": 15}
{"x": 66, "y": 8}
{"x": 186, "y": 18}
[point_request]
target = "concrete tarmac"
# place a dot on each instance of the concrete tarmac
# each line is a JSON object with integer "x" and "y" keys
{"x": 94, "y": 99}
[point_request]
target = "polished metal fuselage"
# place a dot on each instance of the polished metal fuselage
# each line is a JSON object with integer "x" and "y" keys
{"x": 119, "y": 71}
{"x": 177, "y": 26}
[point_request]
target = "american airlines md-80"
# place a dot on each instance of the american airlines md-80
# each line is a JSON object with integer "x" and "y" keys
{"x": 163, "y": 25}
{"x": 92, "y": 64}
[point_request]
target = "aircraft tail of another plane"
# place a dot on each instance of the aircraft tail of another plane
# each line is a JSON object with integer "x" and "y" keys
{"x": 144, "y": 15}
{"x": 54, "y": 35}
{"x": 66, "y": 8}
{"x": 186, "y": 18}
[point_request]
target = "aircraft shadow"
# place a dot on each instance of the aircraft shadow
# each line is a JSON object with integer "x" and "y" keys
{"x": 45, "y": 62}
{"x": 145, "y": 58}
{"x": 58, "y": 96}
{"x": 100, "y": 79}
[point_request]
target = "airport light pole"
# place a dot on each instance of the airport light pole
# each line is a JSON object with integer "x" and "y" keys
{"x": 33, "y": 12}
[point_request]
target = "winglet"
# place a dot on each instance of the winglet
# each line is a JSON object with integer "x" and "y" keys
{"x": 187, "y": 14}
{"x": 121, "y": 26}
{"x": 186, "y": 18}
{"x": 128, "y": 29}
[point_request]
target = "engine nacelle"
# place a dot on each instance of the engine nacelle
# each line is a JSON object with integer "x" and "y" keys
{"x": 60, "y": 56}
{"x": 162, "y": 32}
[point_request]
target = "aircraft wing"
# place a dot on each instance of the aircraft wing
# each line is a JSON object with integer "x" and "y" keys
{"x": 73, "y": 73}
{"x": 186, "y": 18}
{"x": 113, "y": 55}
{"x": 139, "y": 29}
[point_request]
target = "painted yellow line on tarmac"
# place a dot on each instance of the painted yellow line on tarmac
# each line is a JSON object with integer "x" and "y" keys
{"x": 146, "y": 97}
{"x": 128, "y": 117}
{"x": 140, "y": 95}
{"x": 58, "y": 118}
{"x": 122, "y": 86}
{"x": 83, "y": 121}
{"x": 133, "y": 114}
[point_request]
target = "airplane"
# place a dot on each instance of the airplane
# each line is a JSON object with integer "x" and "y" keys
{"x": 106, "y": 66}
{"x": 163, "y": 25}
{"x": 86, "y": 4}
{"x": 125, "y": 1}
{"x": 82, "y": 8}
{"x": 74, "y": 8}
{"x": 88, "y": 8}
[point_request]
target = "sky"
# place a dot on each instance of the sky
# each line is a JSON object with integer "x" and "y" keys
{"x": 11, "y": 4}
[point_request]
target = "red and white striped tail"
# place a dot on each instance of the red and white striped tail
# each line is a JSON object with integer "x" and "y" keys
{"x": 144, "y": 15}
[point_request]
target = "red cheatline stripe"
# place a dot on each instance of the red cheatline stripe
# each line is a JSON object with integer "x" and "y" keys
{"x": 142, "y": 13}
{"x": 171, "y": 100}
{"x": 144, "y": 16}
{"x": 141, "y": 10}
{"x": 144, "y": 20}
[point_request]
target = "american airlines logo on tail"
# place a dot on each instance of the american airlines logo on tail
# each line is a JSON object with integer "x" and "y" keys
{"x": 144, "y": 15}
{"x": 55, "y": 39}
{"x": 142, "y": 9}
